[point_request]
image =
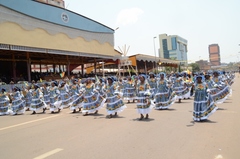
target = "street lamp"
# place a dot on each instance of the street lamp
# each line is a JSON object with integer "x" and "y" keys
{"x": 155, "y": 53}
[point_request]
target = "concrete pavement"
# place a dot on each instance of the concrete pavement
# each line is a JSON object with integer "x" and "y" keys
{"x": 168, "y": 134}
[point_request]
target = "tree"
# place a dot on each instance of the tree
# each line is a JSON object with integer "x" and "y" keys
{"x": 195, "y": 67}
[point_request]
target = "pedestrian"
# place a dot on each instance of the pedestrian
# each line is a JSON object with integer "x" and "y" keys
{"x": 18, "y": 105}
{"x": 65, "y": 95}
{"x": 165, "y": 96}
{"x": 76, "y": 96}
{"x": 55, "y": 99}
{"x": 144, "y": 103}
{"x": 37, "y": 100}
{"x": 203, "y": 105}
{"x": 114, "y": 100}
{"x": 92, "y": 100}
{"x": 4, "y": 102}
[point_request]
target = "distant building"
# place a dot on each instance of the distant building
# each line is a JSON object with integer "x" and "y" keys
{"x": 58, "y": 3}
{"x": 214, "y": 55}
{"x": 173, "y": 47}
{"x": 204, "y": 65}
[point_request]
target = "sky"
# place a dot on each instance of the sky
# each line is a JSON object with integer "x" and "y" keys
{"x": 200, "y": 22}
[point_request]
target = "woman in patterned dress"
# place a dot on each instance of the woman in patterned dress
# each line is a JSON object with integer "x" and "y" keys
{"x": 179, "y": 88}
{"x": 114, "y": 100}
{"x": 37, "y": 100}
{"x": 27, "y": 93}
{"x": 4, "y": 102}
{"x": 99, "y": 86}
{"x": 129, "y": 90}
{"x": 55, "y": 100}
{"x": 92, "y": 100}
{"x": 152, "y": 81}
{"x": 164, "y": 97}
{"x": 46, "y": 94}
{"x": 18, "y": 105}
{"x": 203, "y": 105}
{"x": 144, "y": 103}
{"x": 65, "y": 95}
{"x": 76, "y": 96}
{"x": 223, "y": 90}
{"x": 187, "y": 84}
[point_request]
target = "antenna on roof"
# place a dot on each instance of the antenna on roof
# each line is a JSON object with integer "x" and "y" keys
{"x": 67, "y": 5}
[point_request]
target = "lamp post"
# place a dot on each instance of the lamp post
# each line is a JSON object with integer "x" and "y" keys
{"x": 155, "y": 53}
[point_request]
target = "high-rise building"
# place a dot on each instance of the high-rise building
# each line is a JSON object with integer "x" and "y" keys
{"x": 214, "y": 55}
{"x": 59, "y": 3}
{"x": 173, "y": 47}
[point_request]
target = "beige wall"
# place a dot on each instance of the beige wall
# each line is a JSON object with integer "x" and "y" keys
{"x": 14, "y": 34}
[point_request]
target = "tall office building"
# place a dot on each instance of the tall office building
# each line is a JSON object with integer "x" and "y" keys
{"x": 214, "y": 55}
{"x": 173, "y": 47}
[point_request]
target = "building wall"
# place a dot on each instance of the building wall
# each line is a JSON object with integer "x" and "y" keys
{"x": 22, "y": 30}
{"x": 204, "y": 65}
{"x": 173, "y": 47}
{"x": 214, "y": 55}
{"x": 55, "y": 15}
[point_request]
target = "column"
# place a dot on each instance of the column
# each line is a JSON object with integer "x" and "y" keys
{"x": 14, "y": 68}
{"x": 28, "y": 67}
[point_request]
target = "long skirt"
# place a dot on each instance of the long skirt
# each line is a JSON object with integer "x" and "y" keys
{"x": 92, "y": 103}
{"x": 17, "y": 107}
{"x": 115, "y": 104}
{"x": 164, "y": 100}
{"x": 55, "y": 103}
{"x": 204, "y": 108}
{"x": 144, "y": 104}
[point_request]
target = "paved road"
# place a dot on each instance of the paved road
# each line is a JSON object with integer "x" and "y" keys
{"x": 168, "y": 134}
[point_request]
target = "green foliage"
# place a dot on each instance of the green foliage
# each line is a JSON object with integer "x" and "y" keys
{"x": 195, "y": 67}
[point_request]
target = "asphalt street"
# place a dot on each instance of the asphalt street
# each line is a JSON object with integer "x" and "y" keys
{"x": 167, "y": 134}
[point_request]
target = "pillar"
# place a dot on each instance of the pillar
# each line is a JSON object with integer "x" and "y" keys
{"x": 28, "y": 67}
{"x": 14, "y": 68}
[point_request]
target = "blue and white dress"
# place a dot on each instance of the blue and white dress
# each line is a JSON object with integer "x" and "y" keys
{"x": 204, "y": 104}
{"x": 18, "y": 105}
{"x": 55, "y": 100}
{"x": 187, "y": 84}
{"x": 153, "y": 86}
{"x": 65, "y": 97}
{"x": 4, "y": 103}
{"x": 144, "y": 103}
{"x": 99, "y": 88}
{"x": 222, "y": 91}
{"x": 37, "y": 101}
{"x": 27, "y": 97}
{"x": 129, "y": 91}
{"x": 76, "y": 96}
{"x": 46, "y": 96}
{"x": 164, "y": 96}
{"x": 113, "y": 99}
{"x": 92, "y": 100}
{"x": 179, "y": 88}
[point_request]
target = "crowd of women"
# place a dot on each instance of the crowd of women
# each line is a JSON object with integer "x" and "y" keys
{"x": 149, "y": 92}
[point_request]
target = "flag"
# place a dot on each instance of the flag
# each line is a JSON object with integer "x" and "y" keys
{"x": 97, "y": 80}
{"x": 62, "y": 74}
{"x": 40, "y": 80}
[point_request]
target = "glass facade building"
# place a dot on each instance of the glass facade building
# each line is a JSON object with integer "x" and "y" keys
{"x": 173, "y": 47}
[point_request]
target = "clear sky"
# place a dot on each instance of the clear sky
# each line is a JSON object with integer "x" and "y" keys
{"x": 201, "y": 22}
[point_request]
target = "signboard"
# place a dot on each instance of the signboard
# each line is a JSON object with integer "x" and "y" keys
{"x": 126, "y": 63}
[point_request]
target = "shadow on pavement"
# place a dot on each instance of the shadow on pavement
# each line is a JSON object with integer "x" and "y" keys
{"x": 221, "y": 109}
{"x": 113, "y": 117}
{"x": 143, "y": 120}
{"x": 202, "y": 121}
{"x": 171, "y": 109}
